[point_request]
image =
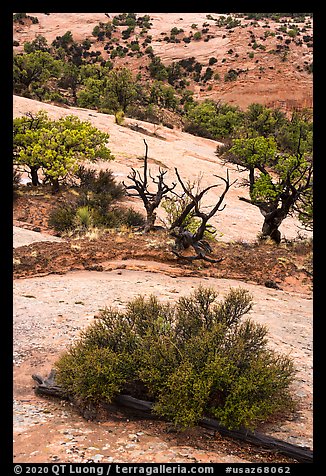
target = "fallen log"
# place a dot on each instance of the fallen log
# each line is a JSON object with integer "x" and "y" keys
{"x": 302, "y": 454}
{"x": 48, "y": 386}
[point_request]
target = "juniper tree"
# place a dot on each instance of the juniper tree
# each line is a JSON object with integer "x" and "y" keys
{"x": 279, "y": 183}
{"x": 56, "y": 147}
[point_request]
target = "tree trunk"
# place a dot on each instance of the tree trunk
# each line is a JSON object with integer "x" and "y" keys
{"x": 34, "y": 176}
{"x": 271, "y": 224}
{"x": 55, "y": 186}
{"x": 150, "y": 221}
{"x": 74, "y": 94}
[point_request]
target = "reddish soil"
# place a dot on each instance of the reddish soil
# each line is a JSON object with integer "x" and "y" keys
{"x": 287, "y": 266}
{"x": 255, "y": 264}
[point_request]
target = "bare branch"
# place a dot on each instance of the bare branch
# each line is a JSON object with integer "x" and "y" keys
{"x": 145, "y": 164}
{"x": 183, "y": 237}
{"x": 151, "y": 200}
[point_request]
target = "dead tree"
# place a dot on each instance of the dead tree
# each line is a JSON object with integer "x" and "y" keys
{"x": 143, "y": 408}
{"x": 185, "y": 239}
{"x": 151, "y": 200}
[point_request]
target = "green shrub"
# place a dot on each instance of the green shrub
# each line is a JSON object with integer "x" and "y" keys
{"x": 73, "y": 217}
{"x": 207, "y": 75}
{"x": 197, "y": 129}
{"x": 150, "y": 113}
{"x": 17, "y": 17}
{"x": 112, "y": 218}
{"x": 117, "y": 217}
{"x": 83, "y": 217}
{"x": 95, "y": 204}
{"x": 99, "y": 182}
{"x": 94, "y": 374}
{"x": 195, "y": 358}
{"x": 231, "y": 75}
{"x": 119, "y": 117}
{"x": 62, "y": 218}
{"x": 212, "y": 120}
{"x": 131, "y": 217}
{"x": 174, "y": 206}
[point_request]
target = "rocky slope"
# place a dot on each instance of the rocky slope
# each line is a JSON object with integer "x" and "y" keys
{"x": 255, "y": 49}
{"x": 195, "y": 157}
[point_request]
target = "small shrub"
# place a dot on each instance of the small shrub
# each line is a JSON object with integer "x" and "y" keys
{"x": 133, "y": 218}
{"x": 99, "y": 182}
{"x": 103, "y": 216}
{"x": 197, "y": 129}
{"x": 118, "y": 217}
{"x": 195, "y": 358}
{"x": 108, "y": 219}
{"x": 62, "y": 218}
{"x": 119, "y": 117}
{"x": 83, "y": 217}
{"x": 207, "y": 75}
{"x": 231, "y": 75}
{"x": 175, "y": 31}
{"x": 150, "y": 113}
{"x": 17, "y": 17}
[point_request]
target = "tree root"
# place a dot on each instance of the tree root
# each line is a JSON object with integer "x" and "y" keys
{"x": 199, "y": 256}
